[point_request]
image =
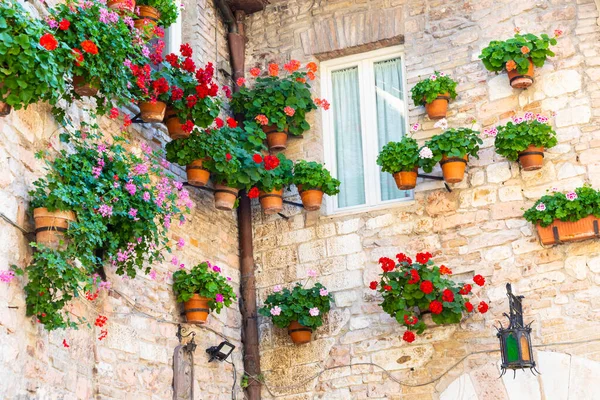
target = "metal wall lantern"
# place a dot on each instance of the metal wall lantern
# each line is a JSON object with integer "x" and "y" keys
{"x": 515, "y": 340}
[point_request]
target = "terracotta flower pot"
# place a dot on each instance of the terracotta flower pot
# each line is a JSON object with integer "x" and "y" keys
{"x": 5, "y": 109}
{"x": 225, "y": 197}
{"x": 83, "y": 87}
{"x": 174, "y": 126}
{"x": 454, "y": 168}
{"x": 271, "y": 202}
{"x": 531, "y": 158}
{"x": 147, "y": 21}
{"x": 146, "y": 28}
{"x": 559, "y": 231}
{"x": 196, "y": 174}
{"x": 50, "y": 226}
{"x": 152, "y": 112}
{"x": 275, "y": 140}
{"x": 300, "y": 334}
{"x": 196, "y": 309}
{"x": 438, "y": 108}
{"x": 406, "y": 180}
{"x": 311, "y": 198}
{"x": 122, "y": 5}
{"x": 519, "y": 81}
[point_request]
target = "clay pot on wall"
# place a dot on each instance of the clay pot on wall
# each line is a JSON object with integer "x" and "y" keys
{"x": 174, "y": 126}
{"x": 275, "y": 140}
{"x": 559, "y": 231}
{"x": 196, "y": 174}
{"x": 50, "y": 226}
{"x": 531, "y": 158}
{"x": 122, "y": 5}
{"x": 83, "y": 87}
{"x": 225, "y": 197}
{"x": 523, "y": 81}
{"x": 152, "y": 112}
{"x": 311, "y": 198}
{"x": 271, "y": 202}
{"x": 438, "y": 108}
{"x": 454, "y": 168}
{"x": 300, "y": 334}
{"x": 196, "y": 309}
{"x": 406, "y": 180}
{"x": 147, "y": 21}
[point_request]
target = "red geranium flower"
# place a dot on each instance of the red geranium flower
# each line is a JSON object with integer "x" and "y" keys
{"x": 311, "y": 66}
{"x": 448, "y": 295}
{"x": 253, "y": 193}
{"x": 436, "y": 307}
{"x": 65, "y": 344}
{"x": 89, "y": 47}
{"x": 387, "y": 264}
{"x": 262, "y": 119}
{"x": 469, "y": 306}
{"x": 289, "y": 111}
{"x": 188, "y": 126}
{"x": 423, "y": 258}
{"x": 482, "y": 307}
{"x": 271, "y": 162}
{"x": 273, "y": 69}
{"x": 186, "y": 50}
{"x": 227, "y": 91}
{"x": 311, "y": 75}
{"x": 410, "y": 320}
{"x": 176, "y": 93}
{"x": 292, "y": 66}
{"x": 301, "y": 79}
{"x": 240, "y": 81}
{"x": 78, "y": 57}
{"x": 114, "y": 113}
{"x": 466, "y": 289}
{"x": 373, "y": 285}
{"x": 257, "y": 158}
{"x": 188, "y": 65}
{"x": 64, "y": 25}
{"x": 219, "y": 122}
{"x": 255, "y": 71}
{"x": 191, "y": 100}
{"x": 408, "y": 336}
{"x": 426, "y": 287}
{"x": 414, "y": 277}
{"x": 126, "y": 121}
{"x": 103, "y": 334}
{"x": 232, "y": 123}
{"x": 173, "y": 60}
{"x": 48, "y": 41}
{"x": 228, "y": 157}
{"x": 160, "y": 86}
{"x": 403, "y": 258}
{"x": 100, "y": 321}
{"x": 478, "y": 279}
{"x": 387, "y": 288}
{"x": 445, "y": 270}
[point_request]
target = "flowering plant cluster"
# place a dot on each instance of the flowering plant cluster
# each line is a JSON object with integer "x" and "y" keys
{"x": 410, "y": 289}
{"x": 515, "y": 53}
{"x": 276, "y": 172}
{"x": 571, "y": 206}
{"x": 454, "y": 142}
{"x": 304, "y": 305}
{"x": 205, "y": 280}
{"x": 167, "y": 8}
{"x": 312, "y": 175}
{"x": 404, "y": 156}
{"x": 124, "y": 205}
{"x": 278, "y": 100}
{"x": 520, "y": 133}
{"x": 429, "y": 89}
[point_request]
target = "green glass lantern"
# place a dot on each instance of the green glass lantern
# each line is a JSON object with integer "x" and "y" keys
{"x": 515, "y": 340}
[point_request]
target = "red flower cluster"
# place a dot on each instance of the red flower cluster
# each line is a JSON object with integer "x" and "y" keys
{"x": 373, "y": 285}
{"x": 445, "y": 270}
{"x": 387, "y": 264}
{"x": 292, "y": 66}
{"x": 176, "y": 93}
{"x": 65, "y": 344}
{"x": 436, "y": 307}
{"x": 403, "y": 258}
{"x": 91, "y": 296}
{"x": 273, "y": 69}
{"x": 253, "y": 193}
{"x": 255, "y": 72}
{"x": 160, "y": 86}
{"x": 271, "y": 162}
{"x": 48, "y": 41}
{"x": 126, "y": 121}
{"x": 186, "y": 50}
{"x": 321, "y": 103}
{"x": 228, "y": 157}
{"x": 311, "y": 66}
{"x": 191, "y": 100}
{"x": 469, "y": 306}
{"x": 173, "y": 60}
{"x": 257, "y": 158}
{"x": 232, "y": 123}
{"x": 157, "y": 51}
{"x": 227, "y": 91}
{"x": 448, "y": 295}
{"x": 142, "y": 75}
{"x": 466, "y": 289}
{"x": 114, "y": 113}
{"x": 482, "y": 307}
{"x": 89, "y": 47}
{"x": 219, "y": 122}
{"x": 188, "y": 126}
{"x": 408, "y": 336}
{"x": 387, "y": 288}
{"x": 426, "y": 287}
{"x": 412, "y": 320}
{"x": 423, "y": 258}
{"x": 478, "y": 279}
{"x": 262, "y": 119}
{"x": 188, "y": 65}
{"x": 289, "y": 111}
{"x": 414, "y": 277}
{"x": 240, "y": 81}
{"x": 100, "y": 321}
{"x": 311, "y": 75}
{"x": 64, "y": 25}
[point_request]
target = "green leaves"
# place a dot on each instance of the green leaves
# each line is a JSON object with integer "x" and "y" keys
{"x": 455, "y": 143}
{"x": 312, "y": 175}
{"x": 565, "y": 207}
{"x": 429, "y": 89}
{"x": 167, "y": 8}
{"x": 515, "y": 137}
{"x": 399, "y": 156}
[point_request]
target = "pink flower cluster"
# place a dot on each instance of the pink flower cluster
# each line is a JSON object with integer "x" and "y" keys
{"x": 105, "y": 210}
{"x": 491, "y": 132}
{"x": 108, "y": 17}
{"x": 7, "y": 276}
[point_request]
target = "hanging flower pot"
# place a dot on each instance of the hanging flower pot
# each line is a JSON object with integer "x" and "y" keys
{"x": 196, "y": 174}
{"x": 152, "y": 111}
{"x": 174, "y": 126}
{"x": 406, "y": 180}
{"x": 225, "y": 197}
{"x": 122, "y": 5}
{"x": 453, "y": 168}
{"x": 147, "y": 21}
{"x": 531, "y": 158}
{"x": 275, "y": 140}
{"x": 521, "y": 81}
{"x": 300, "y": 334}
{"x": 50, "y": 226}
{"x": 196, "y": 309}
{"x": 84, "y": 88}
{"x": 438, "y": 108}
{"x": 271, "y": 202}
{"x": 311, "y": 198}
{"x": 565, "y": 231}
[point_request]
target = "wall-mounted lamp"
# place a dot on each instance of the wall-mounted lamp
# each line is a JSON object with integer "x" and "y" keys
{"x": 220, "y": 352}
{"x": 515, "y": 340}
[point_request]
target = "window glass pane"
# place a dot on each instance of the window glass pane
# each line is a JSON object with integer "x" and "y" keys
{"x": 390, "y": 108}
{"x": 348, "y": 137}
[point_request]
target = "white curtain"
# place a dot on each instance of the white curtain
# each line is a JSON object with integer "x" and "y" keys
{"x": 348, "y": 137}
{"x": 390, "y": 107}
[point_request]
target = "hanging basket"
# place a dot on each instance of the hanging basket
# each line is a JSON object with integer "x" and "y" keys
{"x": 311, "y": 198}
{"x": 84, "y": 88}
{"x": 122, "y": 6}
{"x": 438, "y": 108}
{"x": 196, "y": 174}
{"x": 152, "y": 112}
{"x": 521, "y": 81}
{"x": 275, "y": 140}
{"x": 271, "y": 202}
{"x": 174, "y": 126}
{"x": 406, "y": 180}
{"x": 531, "y": 158}
{"x": 564, "y": 231}
{"x": 196, "y": 309}
{"x": 225, "y": 197}
{"x": 50, "y": 226}
{"x": 454, "y": 168}
{"x": 300, "y": 334}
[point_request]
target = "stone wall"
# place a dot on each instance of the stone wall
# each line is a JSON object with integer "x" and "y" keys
{"x": 478, "y": 228}
{"x": 135, "y": 360}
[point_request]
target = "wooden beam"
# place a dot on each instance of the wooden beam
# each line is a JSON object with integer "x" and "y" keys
{"x": 248, "y": 6}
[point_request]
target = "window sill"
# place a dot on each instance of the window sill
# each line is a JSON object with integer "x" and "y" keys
{"x": 366, "y": 210}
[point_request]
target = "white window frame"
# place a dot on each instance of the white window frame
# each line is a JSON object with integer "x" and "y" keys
{"x": 175, "y": 35}
{"x": 364, "y": 62}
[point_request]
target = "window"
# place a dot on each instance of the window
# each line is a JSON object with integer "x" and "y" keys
{"x": 173, "y": 36}
{"x": 367, "y": 93}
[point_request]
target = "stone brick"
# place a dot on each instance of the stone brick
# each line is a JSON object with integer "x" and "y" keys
{"x": 311, "y": 251}
{"x": 342, "y": 245}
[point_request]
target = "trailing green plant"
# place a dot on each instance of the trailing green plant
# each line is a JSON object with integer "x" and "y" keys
{"x": 429, "y": 89}
{"x": 312, "y": 175}
{"x": 167, "y": 8}
{"x": 454, "y": 142}
{"x": 569, "y": 207}
{"x": 279, "y": 100}
{"x": 275, "y": 175}
{"x": 515, "y": 53}
{"x": 411, "y": 289}
{"x": 124, "y": 206}
{"x": 402, "y": 156}
{"x": 205, "y": 280}
{"x": 520, "y": 133}
{"x": 304, "y": 305}
{"x": 28, "y": 72}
